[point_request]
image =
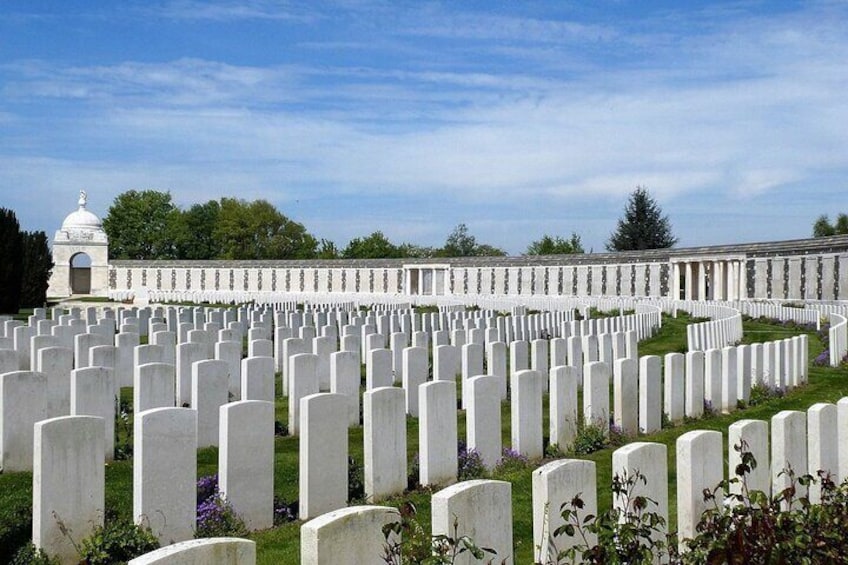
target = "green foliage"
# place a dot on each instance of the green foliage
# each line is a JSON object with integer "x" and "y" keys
{"x": 375, "y": 246}
{"x": 595, "y": 436}
{"x": 30, "y": 555}
{"x": 327, "y": 250}
{"x": 761, "y": 393}
{"x": 257, "y": 230}
{"x": 406, "y": 543}
{"x": 37, "y": 262}
{"x": 748, "y": 526}
{"x": 557, "y": 245}
{"x": 355, "y": 480}
{"x": 193, "y": 231}
{"x": 460, "y": 243}
{"x": 138, "y": 223}
{"x": 217, "y": 518}
{"x": 117, "y": 542}
{"x": 823, "y": 228}
{"x": 631, "y": 532}
{"x": 643, "y": 225}
{"x": 11, "y": 262}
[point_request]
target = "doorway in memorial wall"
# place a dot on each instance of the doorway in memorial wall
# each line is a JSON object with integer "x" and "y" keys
{"x": 81, "y": 274}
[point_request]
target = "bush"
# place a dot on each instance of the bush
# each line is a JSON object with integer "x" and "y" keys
{"x": 470, "y": 464}
{"x": 355, "y": 481}
{"x": 30, "y": 555}
{"x": 594, "y": 437}
{"x": 117, "y": 542}
{"x": 511, "y": 461}
{"x": 215, "y": 515}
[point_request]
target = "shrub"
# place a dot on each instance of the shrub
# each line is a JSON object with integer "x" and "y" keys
{"x": 217, "y": 518}
{"x": 117, "y": 542}
{"x": 631, "y": 533}
{"x": 355, "y": 481}
{"x": 215, "y": 515}
{"x": 511, "y": 461}
{"x": 285, "y": 511}
{"x": 751, "y": 527}
{"x": 470, "y": 464}
{"x": 595, "y": 436}
{"x": 30, "y": 555}
{"x": 763, "y": 393}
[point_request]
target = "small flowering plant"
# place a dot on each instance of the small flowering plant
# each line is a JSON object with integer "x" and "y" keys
{"x": 215, "y": 515}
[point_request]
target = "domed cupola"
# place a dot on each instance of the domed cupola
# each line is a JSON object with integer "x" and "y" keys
{"x": 80, "y": 255}
{"x": 81, "y": 225}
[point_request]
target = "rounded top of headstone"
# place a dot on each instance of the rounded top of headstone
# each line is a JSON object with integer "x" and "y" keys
{"x": 82, "y": 225}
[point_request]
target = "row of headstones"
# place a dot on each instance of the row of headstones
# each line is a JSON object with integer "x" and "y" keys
{"x": 28, "y": 396}
{"x": 69, "y": 479}
{"x": 482, "y": 509}
{"x": 779, "y": 312}
{"x": 339, "y": 371}
{"x": 714, "y": 334}
{"x": 722, "y": 377}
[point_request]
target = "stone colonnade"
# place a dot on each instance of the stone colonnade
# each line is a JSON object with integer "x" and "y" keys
{"x": 709, "y": 278}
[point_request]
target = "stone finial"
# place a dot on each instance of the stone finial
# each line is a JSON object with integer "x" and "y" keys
{"x": 83, "y": 198}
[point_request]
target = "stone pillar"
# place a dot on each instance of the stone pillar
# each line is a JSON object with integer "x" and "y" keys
{"x": 702, "y": 280}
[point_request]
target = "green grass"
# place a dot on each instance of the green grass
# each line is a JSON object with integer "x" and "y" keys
{"x": 282, "y": 544}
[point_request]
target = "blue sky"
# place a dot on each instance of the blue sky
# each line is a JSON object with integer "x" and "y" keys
{"x": 515, "y": 118}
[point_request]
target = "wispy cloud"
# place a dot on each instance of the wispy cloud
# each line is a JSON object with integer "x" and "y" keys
{"x": 744, "y": 109}
{"x": 226, "y": 10}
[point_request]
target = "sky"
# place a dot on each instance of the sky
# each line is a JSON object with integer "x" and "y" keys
{"x": 518, "y": 119}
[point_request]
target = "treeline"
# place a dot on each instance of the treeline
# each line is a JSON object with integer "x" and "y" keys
{"x": 146, "y": 225}
{"x": 25, "y": 265}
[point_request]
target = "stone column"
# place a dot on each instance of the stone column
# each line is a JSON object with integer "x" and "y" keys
{"x": 674, "y": 285}
{"x": 702, "y": 280}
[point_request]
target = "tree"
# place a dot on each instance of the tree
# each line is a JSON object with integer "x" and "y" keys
{"x": 823, "y": 228}
{"x": 11, "y": 261}
{"x": 556, "y": 245}
{"x": 375, "y": 246}
{"x": 139, "y": 224}
{"x": 327, "y": 250}
{"x": 37, "y": 262}
{"x": 460, "y": 243}
{"x": 643, "y": 225}
{"x": 193, "y": 231}
{"x": 257, "y": 230}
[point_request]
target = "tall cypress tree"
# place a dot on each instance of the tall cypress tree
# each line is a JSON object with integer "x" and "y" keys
{"x": 35, "y": 272}
{"x": 11, "y": 255}
{"x": 643, "y": 225}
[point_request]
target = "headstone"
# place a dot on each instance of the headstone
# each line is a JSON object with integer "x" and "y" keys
{"x": 322, "y": 471}
{"x": 384, "y": 422}
{"x": 347, "y": 535}
{"x": 694, "y": 384}
{"x": 56, "y": 364}
{"x": 751, "y": 436}
{"x": 23, "y": 402}
{"x": 154, "y": 386}
{"x": 555, "y": 484}
{"x": 68, "y": 483}
{"x": 651, "y": 461}
{"x": 378, "y": 369}
{"x": 650, "y": 394}
{"x": 526, "y": 414}
{"x": 246, "y": 459}
{"x": 788, "y": 450}
{"x": 165, "y": 472}
{"x": 674, "y": 387}
{"x": 257, "y": 378}
{"x": 822, "y": 445}
{"x": 483, "y": 418}
{"x": 93, "y": 394}
{"x": 437, "y": 434}
{"x": 700, "y": 463}
{"x": 625, "y": 389}
{"x": 415, "y": 371}
{"x": 479, "y": 509}
{"x": 596, "y": 412}
{"x": 230, "y": 353}
{"x": 303, "y": 382}
{"x": 209, "y": 385}
{"x": 233, "y": 551}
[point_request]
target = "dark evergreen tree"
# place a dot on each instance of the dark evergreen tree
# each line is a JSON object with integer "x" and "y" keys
{"x": 11, "y": 257}
{"x": 643, "y": 225}
{"x": 35, "y": 272}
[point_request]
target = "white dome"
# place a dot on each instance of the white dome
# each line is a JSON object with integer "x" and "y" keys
{"x": 82, "y": 218}
{"x": 81, "y": 226}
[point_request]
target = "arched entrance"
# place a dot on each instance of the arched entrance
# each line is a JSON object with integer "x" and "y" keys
{"x": 81, "y": 274}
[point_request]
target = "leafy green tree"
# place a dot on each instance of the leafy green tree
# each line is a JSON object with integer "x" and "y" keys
{"x": 11, "y": 262}
{"x": 257, "y": 230}
{"x": 327, "y": 250}
{"x": 823, "y": 228}
{"x": 643, "y": 226}
{"x": 556, "y": 245}
{"x": 193, "y": 231}
{"x": 460, "y": 243}
{"x": 138, "y": 225}
{"x": 418, "y": 251}
{"x": 375, "y": 246}
{"x": 37, "y": 263}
